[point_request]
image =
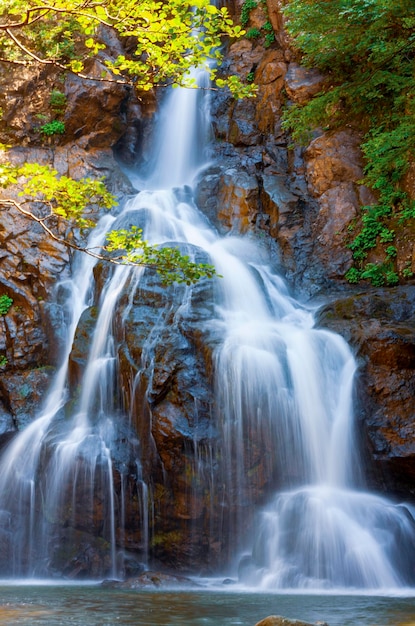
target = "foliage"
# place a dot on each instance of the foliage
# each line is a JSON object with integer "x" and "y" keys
{"x": 253, "y": 33}
{"x": 168, "y": 262}
{"x": 56, "y": 127}
{"x": 60, "y": 196}
{"x": 63, "y": 196}
{"x": 5, "y": 304}
{"x": 269, "y": 33}
{"x": 161, "y": 47}
{"x": 247, "y": 7}
{"x": 366, "y": 48}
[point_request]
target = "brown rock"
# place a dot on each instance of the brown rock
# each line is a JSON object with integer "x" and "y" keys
{"x": 93, "y": 109}
{"x": 24, "y": 100}
{"x": 257, "y": 17}
{"x": 302, "y": 83}
{"x": 238, "y": 200}
{"x": 408, "y": 183}
{"x": 243, "y": 56}
{"x": 338, "y": 206}
{"x": 276, "y": 18}
{"x": 271, "y": 67}
{"x": 331, "y": 159}
{"x": 269, "y": 76}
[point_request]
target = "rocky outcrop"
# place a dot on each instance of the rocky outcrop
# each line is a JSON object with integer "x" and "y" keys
{"x": 333, "y": 166}
{"x": 257, "y": 184}
{"x": 302, "y": 83}
{"x": 305, "y": 200}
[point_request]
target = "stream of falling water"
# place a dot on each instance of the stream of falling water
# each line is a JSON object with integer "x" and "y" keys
{"x": 277, "y": 375}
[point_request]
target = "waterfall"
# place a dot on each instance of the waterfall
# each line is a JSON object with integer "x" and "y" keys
{"x": 283, "y": 397}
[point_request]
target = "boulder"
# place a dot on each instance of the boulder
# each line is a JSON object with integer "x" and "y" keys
{"x": 331, "y": 159}
{"x": 93, "y": 108}
{"x": 302, "y": 83}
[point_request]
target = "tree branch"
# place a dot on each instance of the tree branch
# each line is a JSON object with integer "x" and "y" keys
{"x": 48, "y": 9}
{"x": 69, "y": 244}
{"x": 60, "y": 66}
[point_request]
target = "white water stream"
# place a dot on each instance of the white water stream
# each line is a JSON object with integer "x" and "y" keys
{"x": 278, "y": 379}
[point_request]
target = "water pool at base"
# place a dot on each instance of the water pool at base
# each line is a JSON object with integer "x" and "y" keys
{"x": 96, "y": 606}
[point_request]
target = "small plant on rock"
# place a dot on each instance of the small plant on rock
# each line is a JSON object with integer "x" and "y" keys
{"x": 5, "y": 304}
{"x": 53, "y": 128}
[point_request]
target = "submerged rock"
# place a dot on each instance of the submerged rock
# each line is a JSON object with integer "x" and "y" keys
{"x": 152, "y": 579}
{"x": 277, "y": 620}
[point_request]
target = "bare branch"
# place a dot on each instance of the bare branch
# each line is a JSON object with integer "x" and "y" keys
{"x": 27, "y": 21}
{"x": 2, "y": 60}
{"x": 60, "y": 66}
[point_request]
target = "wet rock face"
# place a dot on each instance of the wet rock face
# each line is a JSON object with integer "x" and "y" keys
{"x": 22, "y": 393}
{"x": 380, "y": 326}
{"x": 164, "y": 366}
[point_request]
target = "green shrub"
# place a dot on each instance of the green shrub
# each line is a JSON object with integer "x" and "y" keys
{"x": 53, "y": 128}
{"x": 5, "y": 304}
{"x": 253, "y": 33}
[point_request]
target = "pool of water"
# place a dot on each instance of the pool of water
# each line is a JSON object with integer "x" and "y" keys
{"x": 92, "y": 605}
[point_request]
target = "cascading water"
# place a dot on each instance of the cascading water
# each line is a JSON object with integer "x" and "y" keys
{"x": 283, "y": 394}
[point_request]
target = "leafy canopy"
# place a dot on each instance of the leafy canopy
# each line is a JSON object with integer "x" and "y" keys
{"x": 163, "y": 39}
{"x": 366, "y": 48}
